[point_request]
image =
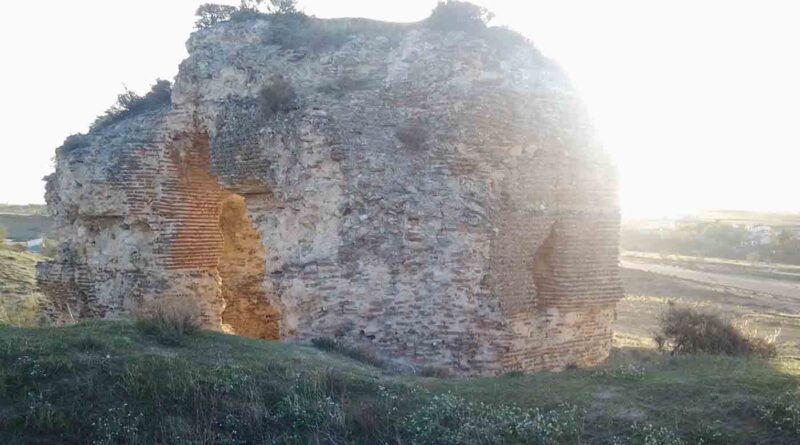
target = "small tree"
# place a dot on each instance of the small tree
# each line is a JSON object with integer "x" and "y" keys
{"x": 210, "y": 14}
{"x": 130, "y": 104}
{"x": 454, "y": 15}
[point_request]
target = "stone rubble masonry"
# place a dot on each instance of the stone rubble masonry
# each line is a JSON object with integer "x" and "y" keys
{"x": 435, "y": 197}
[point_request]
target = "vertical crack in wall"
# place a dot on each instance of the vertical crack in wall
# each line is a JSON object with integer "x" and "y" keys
{"x": 242, "y": 269}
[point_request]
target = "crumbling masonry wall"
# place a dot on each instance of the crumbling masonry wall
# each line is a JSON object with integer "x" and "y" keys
{"x": 437, "y": 197}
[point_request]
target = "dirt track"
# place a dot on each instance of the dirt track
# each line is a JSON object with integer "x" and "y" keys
{"x": 765, "y": 285}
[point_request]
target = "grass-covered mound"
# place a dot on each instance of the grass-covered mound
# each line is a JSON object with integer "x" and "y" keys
{"x": 20, "y": 300}
{"x": 110, "y": 383}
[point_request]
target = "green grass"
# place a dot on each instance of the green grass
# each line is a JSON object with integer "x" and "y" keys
{"x": 108, "y": 382}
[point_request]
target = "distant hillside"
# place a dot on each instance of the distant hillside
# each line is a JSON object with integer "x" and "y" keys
{"x": 27, "y": 209}
{"x": 731, "y": 234}
{"x": 744, "y": 217}
{"x": 22, "y": 227}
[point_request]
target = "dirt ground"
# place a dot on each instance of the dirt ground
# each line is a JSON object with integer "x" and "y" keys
{"x": 648, "y": 293}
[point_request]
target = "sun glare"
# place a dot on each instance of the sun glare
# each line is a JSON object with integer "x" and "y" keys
{"x": 696, "y": 101}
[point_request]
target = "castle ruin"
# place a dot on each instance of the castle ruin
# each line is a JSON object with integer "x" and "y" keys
{"x": 438, "y": 198}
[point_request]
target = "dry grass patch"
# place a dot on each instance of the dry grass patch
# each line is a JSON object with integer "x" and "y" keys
{"x": 685, "y": 330}
{"x": 169, "y": 320}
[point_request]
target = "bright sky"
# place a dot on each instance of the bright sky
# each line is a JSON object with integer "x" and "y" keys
{"x": 697, "y": 101}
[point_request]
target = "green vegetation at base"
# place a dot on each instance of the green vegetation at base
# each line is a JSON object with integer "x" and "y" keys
{"x": 109, "y": 382}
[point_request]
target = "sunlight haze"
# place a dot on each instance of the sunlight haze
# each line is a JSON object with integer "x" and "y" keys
{"x": 696, "y": 101}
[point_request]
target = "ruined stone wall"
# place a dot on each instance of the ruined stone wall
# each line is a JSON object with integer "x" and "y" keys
{"x": 436, "y": 197}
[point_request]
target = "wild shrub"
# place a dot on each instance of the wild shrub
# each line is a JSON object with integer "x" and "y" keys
{"x": 454, "y": 15}
{"x": 449, "y": 419}
{"x": 210, "y": 14}
{"x": 688, "y": 331}
{"x": 630, "y": 372}
{"x": 783, "y": 413}
{"x": 283, "y": 7}
{"x": 89, "y": 343}
{"x": 74, "y": 141}
{"x": 648, "y": 434}
{"x": 356, "y": 353}
{"x": 341, "y": 85}
{"x": 298, "y": 31}
{"x": 413, "y": 133}
{"x": 505, "y": 38}
{"x": 170, "y": 321}
{"x": 280, "y": 7}
{"x": 308, "y": 410}
{"x": 50, "y": 247}
{"x": 131, "y": 104}
{"x": 275, "y": 96}
{"x": 713, "y": 433}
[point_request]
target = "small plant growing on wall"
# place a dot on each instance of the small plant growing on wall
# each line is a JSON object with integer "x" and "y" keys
{"x": 413, "y": 133}
{"x": 131, "y": 104}
{"x": 276, "y": 96}
{"x": 454, "y": 15}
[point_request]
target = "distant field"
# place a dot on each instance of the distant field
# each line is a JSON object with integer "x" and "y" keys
{"x": 735, "y": 235}
{"x": 767, "y": 271}
{"x": 765, "y": 299}
{"x": 739, "y": 217}
{"x": 751, "y": 218}
{"x": 25, "y": 227}
{"x": 28, "y": 209}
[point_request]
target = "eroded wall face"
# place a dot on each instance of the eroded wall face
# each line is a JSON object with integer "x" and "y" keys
{"x": 156, "y": 225}
{"x": 242, "y": 270}
{"x": 434, "y": 198}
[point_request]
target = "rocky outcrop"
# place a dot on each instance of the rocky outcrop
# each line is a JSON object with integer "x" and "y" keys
{"x": 436, "y": 197}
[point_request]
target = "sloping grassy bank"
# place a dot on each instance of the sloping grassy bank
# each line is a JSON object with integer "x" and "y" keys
{"x": 20, "y": 301}
{"x": 106, "y": 382}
